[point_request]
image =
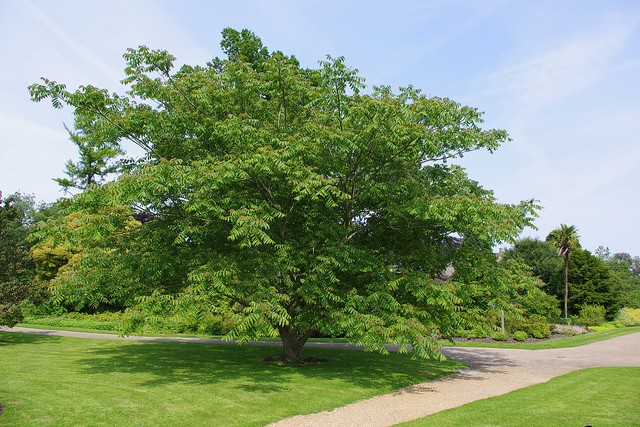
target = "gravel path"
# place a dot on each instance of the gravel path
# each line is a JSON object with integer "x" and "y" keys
{"x": 491, "y": 372}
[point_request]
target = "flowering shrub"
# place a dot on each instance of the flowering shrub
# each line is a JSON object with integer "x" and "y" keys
{"x": 569, "y": 330}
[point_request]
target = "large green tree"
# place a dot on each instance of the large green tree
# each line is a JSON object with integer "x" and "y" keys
{"x": 97, "y": 157}
{"x": 297, "y": 197}
{"x": 16, "y": 267}
{"x": 565, "y": 239}
{"x": 593, "y": 282}
{"x": 631, "y": 263}
{"x": 541, "y": 258}
{"x": 625, "y": 270}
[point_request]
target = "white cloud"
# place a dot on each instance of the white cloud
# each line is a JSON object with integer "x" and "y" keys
{"x": 84, "y": 53}
{"x": 571, "y": 68}
{"x": 14, "y": 127}
{"x": 34, "y": 155}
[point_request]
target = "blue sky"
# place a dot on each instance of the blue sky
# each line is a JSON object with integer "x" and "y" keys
{"x": 562, "y": 77}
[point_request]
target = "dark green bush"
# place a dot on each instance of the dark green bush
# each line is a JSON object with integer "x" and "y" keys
{"x": 46, "y": 308}
{"x": 214, "y": 325}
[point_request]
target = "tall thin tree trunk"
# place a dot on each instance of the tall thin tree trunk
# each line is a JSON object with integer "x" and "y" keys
{"x": 566, "y": 288}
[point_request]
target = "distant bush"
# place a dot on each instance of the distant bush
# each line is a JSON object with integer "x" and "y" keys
{"x": 462, "y": 333}
{"x": 536, "y": 326}
{"x": 499, "y": 336}
{"x": 106, "y": 321}
{"x": 520, "y": 335}
{"x": 591, "y": 315}
{"x": 207, "y": 324}
{"x": 45, "y": 309}
{"x": 569, "y": 330}
{"x": 479, "y": 331}
{"x": 629, "y": 317}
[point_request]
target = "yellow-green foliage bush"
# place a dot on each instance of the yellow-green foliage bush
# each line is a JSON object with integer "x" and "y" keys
{"x": 520, "y": 335}
{"x": 629, "y": 317}
{"x": 499, "y": 336}
{"x": 536, "y": 326}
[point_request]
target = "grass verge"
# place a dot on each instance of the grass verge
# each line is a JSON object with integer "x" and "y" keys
{"x": 573, "y": 341}
{"x": 66, "y": 328}
{"x": 598, "y": 397}
{"x": 58, "y": 381}
{"x": 100, "y": 321}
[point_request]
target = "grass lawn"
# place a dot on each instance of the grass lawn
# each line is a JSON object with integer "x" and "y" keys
{"x": 57, "y": 381}
{"x": 598, "y": 397}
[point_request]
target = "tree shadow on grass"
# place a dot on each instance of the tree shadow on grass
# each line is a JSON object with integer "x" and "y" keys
{"x": 13, "y": 338}
{"x": 244, "y": 366}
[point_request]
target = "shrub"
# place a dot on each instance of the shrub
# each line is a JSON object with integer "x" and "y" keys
{"x": 479, "y": 332}
{"x": 520, "y": 335}
{"x": 537, "y": 327}
{"x": 44, "y": 309}
{"x": 190, "y": 323}
{"x": 629, "y": 317}
{"x": 106, "y": 321}
{"x": 591, "y": 315}
{"x": 499, "y": 336}
{"x": 462, "y": 333}
{"x": 212, "y": 324}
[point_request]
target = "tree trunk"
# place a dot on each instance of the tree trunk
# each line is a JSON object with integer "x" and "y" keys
{"x": 292, "y": 343}
{"x": 566, "y": 288}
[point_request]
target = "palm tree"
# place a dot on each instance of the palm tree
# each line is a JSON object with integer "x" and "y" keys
{"x": 565, "y": 239}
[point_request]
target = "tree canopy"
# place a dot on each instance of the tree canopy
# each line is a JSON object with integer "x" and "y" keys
{"x": 297, "y": 197}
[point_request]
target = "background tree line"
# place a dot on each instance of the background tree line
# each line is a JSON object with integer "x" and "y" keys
{"x": 600, "y": 279}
